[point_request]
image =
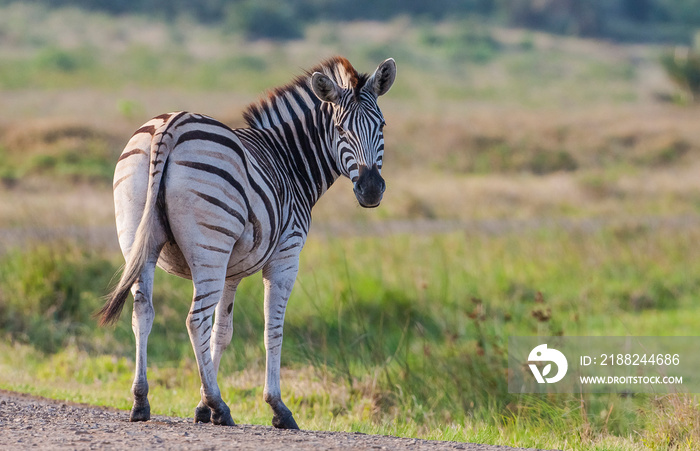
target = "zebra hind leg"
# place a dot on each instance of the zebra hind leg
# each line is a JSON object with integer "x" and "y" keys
{"x": 207, "y": 293}
{"x": 141, "y": 324}
{"x": 221, "y": 338}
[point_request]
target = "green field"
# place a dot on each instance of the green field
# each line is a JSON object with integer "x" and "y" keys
{"x": 537, "y": 185}
{"x": 408, "y": 339}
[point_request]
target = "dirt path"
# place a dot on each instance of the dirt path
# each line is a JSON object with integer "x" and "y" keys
{"x": 40, "y": 423}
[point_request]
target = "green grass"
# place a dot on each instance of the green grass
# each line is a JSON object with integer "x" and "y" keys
{"x": 399, "y": 334}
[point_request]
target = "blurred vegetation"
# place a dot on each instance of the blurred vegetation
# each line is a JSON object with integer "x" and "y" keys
{"x": 684, "y": 70}
{"x": 625, "y": 20}
{"x": 468, "y": 41}
{"x": 58, "y": 150}
{"x": 447, "y": 66}
{"x": 257, "y": 19}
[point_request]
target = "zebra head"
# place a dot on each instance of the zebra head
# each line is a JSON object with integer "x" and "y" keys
{"x": 359, "y": 125}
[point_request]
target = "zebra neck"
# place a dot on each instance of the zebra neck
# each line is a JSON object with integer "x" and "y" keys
{"x": 302, "y": 148}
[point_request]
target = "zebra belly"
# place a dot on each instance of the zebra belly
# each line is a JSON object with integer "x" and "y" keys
{"x": 173, "y": 262}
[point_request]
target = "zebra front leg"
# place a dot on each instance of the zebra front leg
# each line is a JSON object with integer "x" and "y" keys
{"x": 207, "y": 292}
{"x": 141, "y": 323}
{"x": 278, "y": 286}
{"x": 221, "y": 337}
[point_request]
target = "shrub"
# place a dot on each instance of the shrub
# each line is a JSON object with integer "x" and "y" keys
{"x": 62, "y": 60}
{"x": 268, "y": 19}
{"x": 547, "y": 162}
{"x": 467, "y": 42}
{"x": 684, "y": 71}
{"x": 60, "y": 149}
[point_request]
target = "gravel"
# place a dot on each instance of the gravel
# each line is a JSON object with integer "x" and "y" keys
{"x": 39, "y": 423}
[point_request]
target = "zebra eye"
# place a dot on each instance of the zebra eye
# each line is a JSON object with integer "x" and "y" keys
{"x": 340, "y": 129}
{"x": 381, "y": 126}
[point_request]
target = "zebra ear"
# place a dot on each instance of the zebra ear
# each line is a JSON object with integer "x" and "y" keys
{"x": 380, "y": 82}
{"x": 325, "y": 88}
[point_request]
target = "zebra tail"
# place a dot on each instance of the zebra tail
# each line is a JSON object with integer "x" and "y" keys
{"x": 145, "y": 245}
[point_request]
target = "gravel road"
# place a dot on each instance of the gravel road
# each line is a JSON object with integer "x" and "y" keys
{"x": 40, "y": 423}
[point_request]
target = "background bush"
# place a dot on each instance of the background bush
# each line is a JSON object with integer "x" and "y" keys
{"x": 625, "y": 20}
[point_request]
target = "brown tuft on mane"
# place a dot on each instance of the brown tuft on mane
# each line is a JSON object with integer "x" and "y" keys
{"x": 340, "y": 61}
{"x": 337, "y": 67}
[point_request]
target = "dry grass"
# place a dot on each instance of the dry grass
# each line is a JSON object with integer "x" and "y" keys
{"x": 43, "y": 136}
{"x": 673, "y": 424}
{"x": 517, "y": 140}
{"x": 643, "y": 163}
{"x": 44, "y": 205}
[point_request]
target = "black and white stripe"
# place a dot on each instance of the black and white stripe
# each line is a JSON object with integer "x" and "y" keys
{"x": 213, "y": 204}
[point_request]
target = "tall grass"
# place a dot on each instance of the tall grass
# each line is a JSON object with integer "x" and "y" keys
{"x": 400, "y": 333}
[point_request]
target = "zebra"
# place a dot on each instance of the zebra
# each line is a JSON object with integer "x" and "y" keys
{"x": 214, "y": 205}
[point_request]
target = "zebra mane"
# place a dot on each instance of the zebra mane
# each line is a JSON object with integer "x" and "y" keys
{"x": 337, "y": 68}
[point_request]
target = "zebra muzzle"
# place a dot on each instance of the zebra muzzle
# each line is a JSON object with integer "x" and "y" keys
{"x": 369, "y": 187}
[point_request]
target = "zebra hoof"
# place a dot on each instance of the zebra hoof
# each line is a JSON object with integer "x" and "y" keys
{"x": 202, "y": 414}
{"x": 140, "y": 413}
{"x": 222, "y": 416}
{"x": 284, "y": 422}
